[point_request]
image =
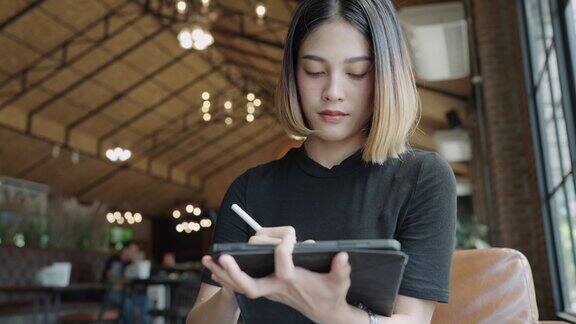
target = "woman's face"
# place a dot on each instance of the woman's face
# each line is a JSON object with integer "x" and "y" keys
{"x": 335, "y": 80}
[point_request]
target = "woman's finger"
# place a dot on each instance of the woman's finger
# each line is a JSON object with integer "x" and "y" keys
{"x": 340, "y": 269}
{"x": 246, "y": 283}
{"x": 283, "y": 263}
{"x": 251, "y": 287}
{"x": 226, "y": 284}
{"x": 309, "y": 241}
{"x": 220, "y": 273}
{"x": 276, "y": 232}
{"x": 256, "y": 239}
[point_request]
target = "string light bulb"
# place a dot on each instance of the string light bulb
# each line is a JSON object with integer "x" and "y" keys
{"x": 194, "y": 226}
{"x": 187, "y": 228}
{"x": 249, "y": 118}
{"x": 75, "y": 157}
{"x": 185, "y": 38}
{"x": 205, "y": 222}
{"x": 56, "y": 151}
{"x": 260, "y": 10}
{"x": 196, "y": 38}
{"x": 118, "y": 154}
{"x": 181, "y": 6}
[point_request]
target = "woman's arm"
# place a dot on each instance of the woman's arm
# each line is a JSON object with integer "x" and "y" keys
{"x": 408, "y": 310}
{"x": 214, "y": 305}
{"x": 218, "y": 305}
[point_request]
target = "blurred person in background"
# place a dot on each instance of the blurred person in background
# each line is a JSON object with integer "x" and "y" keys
{"x": 135, "y": 304}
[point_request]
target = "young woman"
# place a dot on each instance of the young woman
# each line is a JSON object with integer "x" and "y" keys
{"x": 348, "y": 88}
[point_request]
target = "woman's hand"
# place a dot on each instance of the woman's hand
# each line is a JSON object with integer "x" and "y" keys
{"x": 316, "y": 295}
{"x": 266, "y": 236}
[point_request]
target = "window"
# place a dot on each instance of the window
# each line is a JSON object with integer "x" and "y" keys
{"x": 550, "y": 51}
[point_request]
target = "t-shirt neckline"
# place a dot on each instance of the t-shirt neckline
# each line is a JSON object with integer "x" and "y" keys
{"x": 308, "y": 165}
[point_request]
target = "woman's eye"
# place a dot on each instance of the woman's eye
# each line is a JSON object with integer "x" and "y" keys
{"x": 314, "y": 74}
{"x": 357, "y": 76}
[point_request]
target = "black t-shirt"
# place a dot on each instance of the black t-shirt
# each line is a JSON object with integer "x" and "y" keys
{"x": 411, "y": 199}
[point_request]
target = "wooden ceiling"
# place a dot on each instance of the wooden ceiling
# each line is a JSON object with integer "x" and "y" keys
{"x": 82, "y": 76}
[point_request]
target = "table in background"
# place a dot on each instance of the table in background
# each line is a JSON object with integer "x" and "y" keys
{"x": 46, "y": 295}
{"x": 171, "y": 284}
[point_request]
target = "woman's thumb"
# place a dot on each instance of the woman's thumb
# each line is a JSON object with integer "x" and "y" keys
{"x": 340, "y": 266}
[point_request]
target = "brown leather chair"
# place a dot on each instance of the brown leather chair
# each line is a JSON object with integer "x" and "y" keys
{"x": 490, "y": 286}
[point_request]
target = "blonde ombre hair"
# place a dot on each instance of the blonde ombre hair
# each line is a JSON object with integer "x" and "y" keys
{"x": 396, "y": 101}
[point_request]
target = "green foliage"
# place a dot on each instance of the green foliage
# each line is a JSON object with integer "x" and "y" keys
{"x": 471, "y": 235}
{"x": 65, "y": 224}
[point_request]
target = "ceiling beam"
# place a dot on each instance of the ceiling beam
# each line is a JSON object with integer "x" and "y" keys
{"x": 125, "y": 92}
{"x": 46, "y": 65}
{"x": 238, "y": 142}
{"x": 225, "y": 46}
{"x": 88, "y": 154}
{"x": 186, "y": 156}
{"x": 38, "y": 163}
{"x": 20, "y": 13}
{"x": 46, "y": 103}
{"x": 151, "y": 108}
{"x": 181, "y": 139}
{"x": 237, "y": 158}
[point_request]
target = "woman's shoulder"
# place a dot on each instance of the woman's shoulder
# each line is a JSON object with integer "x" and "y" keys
{"x": 428, "y": 169}
{"x": 414, "y": 161}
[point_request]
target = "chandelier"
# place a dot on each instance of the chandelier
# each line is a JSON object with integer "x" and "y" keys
{"x": 199, "y": 17}
{"x": 252, "y": 103}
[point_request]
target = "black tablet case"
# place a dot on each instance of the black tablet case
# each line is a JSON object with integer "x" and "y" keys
{"x": 375, "y": 278}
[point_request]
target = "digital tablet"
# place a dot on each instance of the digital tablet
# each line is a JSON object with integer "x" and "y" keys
{"x": 377, "y": 266}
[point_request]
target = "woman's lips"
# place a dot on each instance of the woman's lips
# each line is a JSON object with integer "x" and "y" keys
{"x": 332, "y": 116}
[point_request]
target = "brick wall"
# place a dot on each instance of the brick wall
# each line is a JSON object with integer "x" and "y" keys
{"x": 516, "y": 220}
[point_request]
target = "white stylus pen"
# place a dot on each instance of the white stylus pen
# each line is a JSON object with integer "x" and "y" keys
{"x": 246, "y": 217}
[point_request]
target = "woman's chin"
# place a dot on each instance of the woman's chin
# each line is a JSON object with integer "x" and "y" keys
{"x": 333, "y": 134}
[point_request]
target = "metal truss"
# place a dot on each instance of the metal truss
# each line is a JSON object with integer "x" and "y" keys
{"x": 135, "y": 85}
{"x": 234, "y": 144}
{"x": 153, "y": 107}
{"x": 56, "y": 59}
{"x": 45, "y": 104}
{"x": 237, "y": 158}
{"x": 20, "y": 13}
{"x": 197, "y": 150}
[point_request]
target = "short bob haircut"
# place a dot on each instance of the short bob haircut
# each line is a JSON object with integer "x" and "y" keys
{"x": 396, "y": 101}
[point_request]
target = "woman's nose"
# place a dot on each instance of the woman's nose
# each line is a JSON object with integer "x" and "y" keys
{"x": 334, "y": 90}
